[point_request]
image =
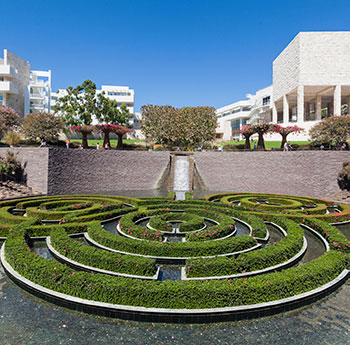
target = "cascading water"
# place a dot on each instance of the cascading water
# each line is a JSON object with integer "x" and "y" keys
{"x": 181, "y": 177}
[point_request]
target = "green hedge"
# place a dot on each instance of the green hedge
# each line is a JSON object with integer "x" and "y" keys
{"x": 252, "y": 261}
{"x": 334, "y": 237}
{"x": 9, "y": 219}
{"x": 98, "y": 258}
{"x": 169, "y": 249}
{"x": 57, "y": 215}
{"x": 170, "y": 294}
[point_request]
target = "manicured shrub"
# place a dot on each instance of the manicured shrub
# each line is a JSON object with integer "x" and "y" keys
{"x": 98, "y": 258}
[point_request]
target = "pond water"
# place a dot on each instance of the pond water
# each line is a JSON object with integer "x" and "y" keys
{"x": 38, "y": 322}
{"x": 25, "y": 319}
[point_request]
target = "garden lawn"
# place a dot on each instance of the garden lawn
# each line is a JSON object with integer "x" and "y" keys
{"x": 268, "y": 144}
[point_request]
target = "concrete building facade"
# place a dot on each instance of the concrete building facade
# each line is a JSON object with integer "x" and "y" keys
{"x": 311, "y": 81}
{"x": 21, "y": 89}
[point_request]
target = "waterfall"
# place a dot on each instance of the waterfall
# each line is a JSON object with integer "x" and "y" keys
{"x": 181, "y": 177}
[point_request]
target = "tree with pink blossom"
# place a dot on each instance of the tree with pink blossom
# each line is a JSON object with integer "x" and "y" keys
{"x": 285, "y": 131}
{"x": 247, "y": 131}
{"x": 9, "y": 119}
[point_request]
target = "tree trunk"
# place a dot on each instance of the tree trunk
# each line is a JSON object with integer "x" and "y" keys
{"x": 106, "y": 140}
{"x": 120, "y": 141}
{"x": 247, "y": 142}
{"x": 85, "y": 140}
{"x": 284, "y": 139}
{"x": 261, "y": 143}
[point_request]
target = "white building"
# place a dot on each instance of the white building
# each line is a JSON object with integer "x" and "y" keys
{"x": 311, "y": 80}
{"x": 39, "y": 92}
{"x": 232, "y": 117}
{"x": 23, "y": 90}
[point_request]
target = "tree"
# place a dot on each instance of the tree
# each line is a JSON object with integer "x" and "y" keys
{"x": 12, "y": 138}
{"x": 334, "y": 129}
{"x": 247, "y": 131}
{"x": 261, "y": 129}
{"x": 107, "y": 113}
{"x": 77, "y": 108}
{"x": 285, "y": 131}
{"x": 42, "y": 126}
{"x": 9, "y": 120}
{"x": 186, "y": 127}
{"x": 120, "y": 131}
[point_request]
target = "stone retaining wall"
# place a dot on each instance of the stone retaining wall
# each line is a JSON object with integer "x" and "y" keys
{"x": 62, "y": 171}
{"x": 35, "y": 162}
{"x": 76, "y": 171}
{"x": 303, "y": 173}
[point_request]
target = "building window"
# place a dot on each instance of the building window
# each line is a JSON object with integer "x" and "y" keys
{"x": 118, "y": 93}
{"x": 293, "y": 114}
{"x": 266, "y": 100}
{"x": 310, "y": 113}
{"x": 246, "y": 108}
{"x": 280, "y": 117}
{"x": 1, "y": 99}
{"x": 235, "y": 125}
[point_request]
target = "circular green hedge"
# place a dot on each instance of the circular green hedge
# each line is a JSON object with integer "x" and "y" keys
{"x": 207, "y": 249}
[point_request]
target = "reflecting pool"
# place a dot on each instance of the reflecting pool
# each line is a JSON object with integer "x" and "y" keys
{"x": 25, "y": 319}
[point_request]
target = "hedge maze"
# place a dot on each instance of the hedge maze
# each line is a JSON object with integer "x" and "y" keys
{"x": 222, "y": 244}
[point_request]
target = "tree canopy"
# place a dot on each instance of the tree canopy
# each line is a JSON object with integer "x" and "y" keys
{"x": 111, "y": 118}
{"x": 43, "y": 126}
{"x": 77, "y": 107}
{"x": 183, "y": 127}
{"x": 332, "y": 130}
{"x": 9, "y": 119}
{"x": 285, "y": 131}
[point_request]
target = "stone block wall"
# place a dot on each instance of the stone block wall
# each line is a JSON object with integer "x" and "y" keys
{"x": 62, "y": 171}
{"x": 34, "y": 160}
{"x": 76, "y": 171}
{"x": 286, "y": 69}
{"x": 324, "y": 58}
{"x": 303, "y": 173}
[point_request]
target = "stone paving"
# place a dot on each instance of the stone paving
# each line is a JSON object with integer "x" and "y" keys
{"x": 11, "y": 189}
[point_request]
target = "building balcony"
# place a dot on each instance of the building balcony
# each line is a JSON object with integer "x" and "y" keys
{"x": 38, "y": 83}
{"x": 37, "y": 107}
{"x": 8, "y": 71}
{"x": 37, "y": 96}
{"x": 8, "y": 87}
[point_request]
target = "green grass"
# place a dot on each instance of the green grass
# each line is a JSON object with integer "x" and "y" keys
{"x": 93, "y": 142}
{"x": 268, "y": 144}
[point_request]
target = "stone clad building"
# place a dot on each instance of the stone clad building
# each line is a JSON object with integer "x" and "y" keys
{"x": 21, "y": 89}
{"x": 311, "y": 80}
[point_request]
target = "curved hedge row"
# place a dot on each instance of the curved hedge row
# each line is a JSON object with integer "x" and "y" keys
{"x": 227, "y": 255}
{"x": 169, "y": 249}
{"x": 170, "y": 294}
{"x": 256, "y": 260}
{"x": 102, "y": 259}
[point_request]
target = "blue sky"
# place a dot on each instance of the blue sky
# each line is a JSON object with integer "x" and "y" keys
{"x": 182, "y": 53}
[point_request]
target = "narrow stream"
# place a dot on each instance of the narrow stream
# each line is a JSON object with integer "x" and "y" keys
{"x": 39, "y": 247}
{"x": 315, "y": 248}
{"x": 345, "y": 229}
